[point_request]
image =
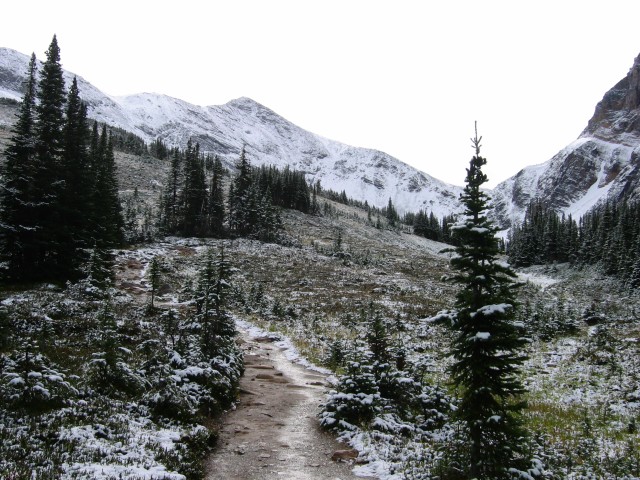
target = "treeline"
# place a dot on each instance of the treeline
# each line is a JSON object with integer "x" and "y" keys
{"x": 59, "y": 193}
{"x": 429, "y": 226}
{"x": 607, "y": 236}
{"x": 127, "y": 142}
{"x": 424, "y": 224}
{"x": 196, "y": 202}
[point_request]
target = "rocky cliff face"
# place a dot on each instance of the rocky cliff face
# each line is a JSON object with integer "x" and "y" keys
{"x": 617, "y": 116}
{"x": 604, "y": 162}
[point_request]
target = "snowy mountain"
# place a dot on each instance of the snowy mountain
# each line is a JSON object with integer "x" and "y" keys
{"x": 604, "y": 162}
{"x": 364, "y": 174}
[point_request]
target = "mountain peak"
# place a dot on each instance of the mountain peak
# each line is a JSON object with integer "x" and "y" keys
{"x": 243, "y": 101}
{"x": 617, "y": 115}
{"x": 269, "y": 139}
{"x": 604, "y": 162}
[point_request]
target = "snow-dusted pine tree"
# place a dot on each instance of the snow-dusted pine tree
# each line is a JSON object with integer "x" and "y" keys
{"x": 486, "y": 349}
{"x": 18, "y": 219}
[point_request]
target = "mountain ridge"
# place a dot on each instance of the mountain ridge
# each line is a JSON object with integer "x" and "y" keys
{"x": 602, "y": 163}
{"x": 365, "y": 174}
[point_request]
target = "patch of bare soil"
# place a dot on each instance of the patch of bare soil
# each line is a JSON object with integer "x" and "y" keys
{"x": 274, "y": 431}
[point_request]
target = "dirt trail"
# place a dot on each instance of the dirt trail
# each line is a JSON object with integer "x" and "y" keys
{"x": 274, "y": 433}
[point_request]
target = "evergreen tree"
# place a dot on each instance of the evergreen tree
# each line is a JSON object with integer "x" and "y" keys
{"x": 377, "y": 338}
{"x": 239, "y": 196}
{"x": 49, "y": 182}
{"x": 217, "y": 327}
{"x": 155, "y": 276}
{"x": 487, "y": 341}
{"x": 76, "y": 202}
{"x": 195, "y": 193}
{"x": 109, "y": 226}
{"x": 17, "y": 212}
{"x": 392, "y": 214}
{"x": 216, "y": 200}
{"x": 171, "y": 208}
{"x": 59, "y": 196}
{"x": 99, "y": 271}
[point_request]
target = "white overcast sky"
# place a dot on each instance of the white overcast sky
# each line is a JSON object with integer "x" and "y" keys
{"x": 405, "y": 77}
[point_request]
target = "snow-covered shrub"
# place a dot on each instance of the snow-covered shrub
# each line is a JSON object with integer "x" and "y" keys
{"x": 31, "y": 381}
{"x": 109, "y": 373}
{"x": 548, "y": 321}
{"x": 208, "y": 385}
{"x": 186, "y": 456}
{"x": 398, "y": 389}
{"x": 168, "y": 399}
{"x": 335, "y": 356}
{"x": 436, "y": 406}
{"x": 356, "y": 400}
{"x": 602, "y": 348}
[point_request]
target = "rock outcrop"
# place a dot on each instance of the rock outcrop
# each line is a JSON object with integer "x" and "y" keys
{"x": 604, "y": 162}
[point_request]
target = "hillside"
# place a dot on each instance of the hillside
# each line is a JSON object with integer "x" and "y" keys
{"x": 368, "y": 175}
{"x": 316, "y": 294}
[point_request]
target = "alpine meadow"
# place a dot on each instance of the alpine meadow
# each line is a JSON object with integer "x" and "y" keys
{"x": 192, "y": 292}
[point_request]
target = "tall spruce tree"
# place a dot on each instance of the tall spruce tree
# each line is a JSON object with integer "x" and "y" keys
{"x": 239, "y": 196}
{"x": 216, "y": 212}
{"x": 108, "y": 229}
{"x": 487, "y": 343}
{"x": 195, "y": 192}
{"x": 217, "y": 327}
{"x": 17, "y": 215}
{"x": 171, "y": 203}
{"x": 75, "y": 197}
{"x": 49, "y": 182}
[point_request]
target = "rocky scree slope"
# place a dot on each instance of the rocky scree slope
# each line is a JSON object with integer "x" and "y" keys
{"x": 365, "y": 174}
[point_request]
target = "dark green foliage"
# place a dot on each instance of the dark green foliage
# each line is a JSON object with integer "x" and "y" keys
{"x": 543, "y": 237}
{"x": 216, "y": 210}
{"x": 49, "y": 176}
{"x": 378, "y": 339}
{"x": 155, "y": 277}
{"x": 99, "y": 275}
{"x": 19, "y": 222}
{"x": 357, "y": 400}
{"x": 607, "y": 236}
{"x": 336, "y": 355}
{"x": 109, "y": 371}
{"x": 171, "y": 201}
{"x": 380, "y": 389}
{"x": 139, "y": 219}
{"x": 286, "y": 189}
{"x": 487, "y": 343}
{"x": 159, "y": 150}
{"x": 193, "y": 203}
{"x": 31, "y": 382}
{"x": 548, "y": 321}
{"x": 392, "y": 215}
{"x": 430, "y": 227}
{"x": 217, "y": 327}
{"x": 59, "y": 194}
{"x": 113, "y": 370}
{"x": 194, "y": 193}
{"x": 75, "y": 193}
{"x": 108, "y": 223}
{"x": 128, "y": 142}
{"x": 5, "y": 330}
{"x": 252, "y": 212}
